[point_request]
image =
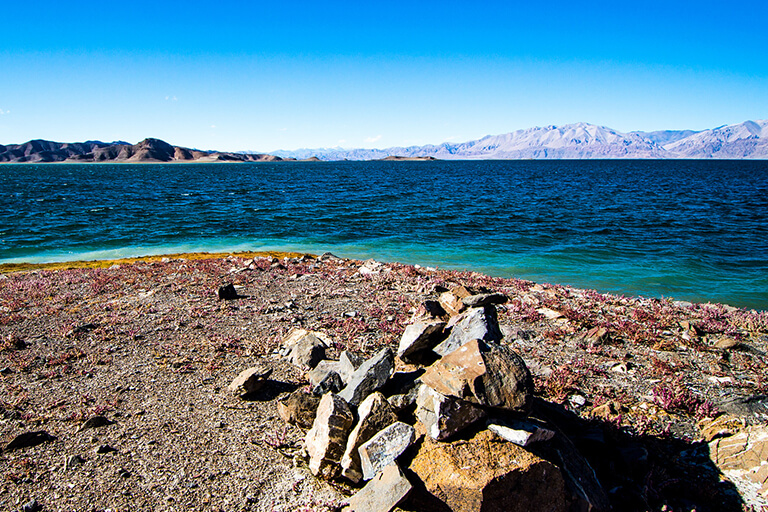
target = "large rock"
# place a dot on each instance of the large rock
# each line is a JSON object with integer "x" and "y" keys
{"x": 386, "y": 446}
{"x": 473, "y": 324}
{"x": 419, "y": 338}
{"x": 444, "y": 416}
{"x": 375, "y": 414}
{"x": 327, "y": 438}
{"x": 381, "y": 494}
{"x": 304, "y": 348}
{"x": 742, "y": 459}
{"x": 488, "y": 375}
{"x": 371, "y": 376}
{"x": 250, "y": 380}
{"x": 486, "y": 474}
{"x": 299, "y": 408}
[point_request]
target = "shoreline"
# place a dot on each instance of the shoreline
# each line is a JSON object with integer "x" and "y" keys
{"x": 6, "y": 268}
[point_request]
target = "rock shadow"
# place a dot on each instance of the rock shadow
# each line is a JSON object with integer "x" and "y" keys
{"x": 271, "y": 390}
{"x": 640, "y": 472}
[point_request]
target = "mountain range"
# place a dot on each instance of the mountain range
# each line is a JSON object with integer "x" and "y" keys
{"x": 148, "y": 150}
{"x": 577, "y": 141}
{"x": 747, "y": 140}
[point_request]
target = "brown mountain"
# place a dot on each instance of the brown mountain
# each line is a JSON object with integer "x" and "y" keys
{"x": 148, "y": 150}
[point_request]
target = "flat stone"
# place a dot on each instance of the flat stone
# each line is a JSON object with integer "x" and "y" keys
{"x": 742, "y": 459}
{"x": 521, "y": 433}
{"x": 382, "y": 493}
{"x": 369, "y": 377}
{"x": 375, "y": 414}
{"x": 484, "y": 299}
{"x": 473, "y": 324}
{"x": 250, "y": 380}
{"x": 488, "y": 474}
{"x": 327, "y": 438}
{"x": 27, "y": 440}
{"x": 386, "y": 446}
{"x": 299, "y": 408}
{"x": 444, "y": 416}
{"x": 488, "y": 375}
{"x": 418, "y": 338}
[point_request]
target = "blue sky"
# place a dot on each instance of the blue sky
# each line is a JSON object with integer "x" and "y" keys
{"x": 284, "y": 75}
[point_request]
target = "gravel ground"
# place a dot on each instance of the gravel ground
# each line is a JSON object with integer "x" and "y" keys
{"x": 148, "y": 345}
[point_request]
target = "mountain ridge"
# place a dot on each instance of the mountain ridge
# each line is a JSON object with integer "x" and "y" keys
{"x": 149, "y": 150}
{"x": 748, "y": 140}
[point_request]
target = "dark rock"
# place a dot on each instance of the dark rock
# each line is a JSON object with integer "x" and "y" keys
{"x": 32, "y": 506}
{"x": 371, "y": 376}
{"x": 105, "y": 448}
{"x": 227, "y": 292}
{"x": 474, "y": 324}
{"x": 96, "y": 422}
{"x": 28, "y": 439}
{"x": 332, "y": 383}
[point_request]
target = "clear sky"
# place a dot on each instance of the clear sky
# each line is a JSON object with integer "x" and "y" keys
{"x": 284, "y": 75}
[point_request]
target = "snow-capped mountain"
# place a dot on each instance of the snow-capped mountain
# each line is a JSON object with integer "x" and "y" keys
{"x": 746, "y": 140}
{"x": 577, "y": 141}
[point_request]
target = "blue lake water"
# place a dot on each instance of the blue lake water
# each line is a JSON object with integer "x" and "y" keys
{"x": 689, "y": 230}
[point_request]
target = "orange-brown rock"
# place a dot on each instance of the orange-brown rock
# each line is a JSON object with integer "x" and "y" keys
{"x": 451, "y": 301}
{"x": 742, "y": 459}
{"x": 486, "y": 474}
{"x": 485, "y": 374}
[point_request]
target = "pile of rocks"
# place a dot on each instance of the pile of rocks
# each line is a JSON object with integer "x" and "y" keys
{"x": 450, "y": 429}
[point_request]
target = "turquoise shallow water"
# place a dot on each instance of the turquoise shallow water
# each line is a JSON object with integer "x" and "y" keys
{"x": 690, "y": 230}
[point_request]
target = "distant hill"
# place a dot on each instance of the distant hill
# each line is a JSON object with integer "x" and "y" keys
{"x": 576, "y": 141}
{"x": 148, "y": 150}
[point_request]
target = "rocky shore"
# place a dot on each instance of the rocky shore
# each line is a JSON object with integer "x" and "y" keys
{"x": 248, "y": 382}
